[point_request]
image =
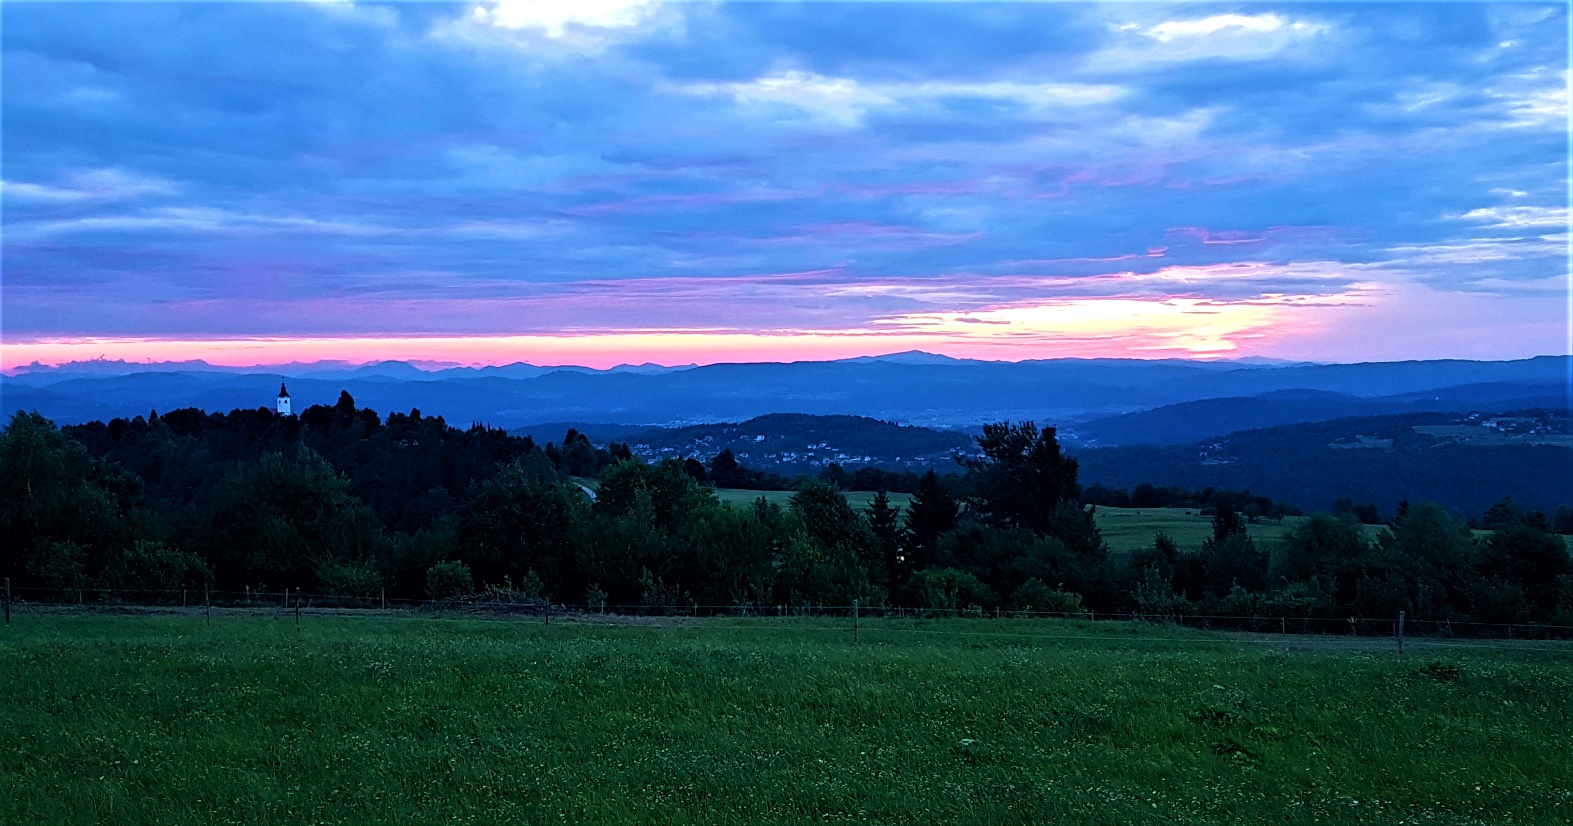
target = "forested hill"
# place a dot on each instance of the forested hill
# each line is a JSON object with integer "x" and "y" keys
{"x": 409, "y": 468}
{"x": 796, "y": 442}
{"x": 1463, "y": 462}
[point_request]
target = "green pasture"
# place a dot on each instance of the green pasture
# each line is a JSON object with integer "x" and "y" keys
{"x": 410, "y": 719}
{"x": 856, "y": 498}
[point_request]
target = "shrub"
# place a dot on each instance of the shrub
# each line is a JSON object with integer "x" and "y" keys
{"x": 447, "y": 580}
{"x": 1033, "y": 595}
{"x": 948, "y": 589}
{"x": 353, "y": 579}
{"x": 154, "y": 566}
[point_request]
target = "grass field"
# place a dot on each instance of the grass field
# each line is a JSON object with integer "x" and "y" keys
{"x": 158, "y": 719}
{"x": 858, "y": 499}
{"x": 1128, "y": 529}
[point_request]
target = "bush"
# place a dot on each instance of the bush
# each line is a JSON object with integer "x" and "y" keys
{"x": 351, "y": 579}
{"x": 59, "y": 565}
{"x": 154, "y": 566}
{"x": 1033, "y": 595}
{"x": 447, "y": 580}
{"x": 948, "y": 589}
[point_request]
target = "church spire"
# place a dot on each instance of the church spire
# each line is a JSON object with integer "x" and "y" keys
{"x": 283, "y": 405}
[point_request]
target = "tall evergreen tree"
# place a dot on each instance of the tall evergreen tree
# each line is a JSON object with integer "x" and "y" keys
{"x": 932, "y": 513}
{"x": 885, "y": 520}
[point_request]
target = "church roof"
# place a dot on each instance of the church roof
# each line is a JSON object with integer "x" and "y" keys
{"x": 283, "y": 394}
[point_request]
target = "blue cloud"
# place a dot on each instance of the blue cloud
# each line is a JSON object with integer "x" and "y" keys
{"x": 413, "y": 160}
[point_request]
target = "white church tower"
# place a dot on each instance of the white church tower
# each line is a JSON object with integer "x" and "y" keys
{"x": 283, "y": 400}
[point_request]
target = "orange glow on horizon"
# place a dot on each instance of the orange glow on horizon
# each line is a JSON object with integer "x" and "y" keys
{"x": 1125, "y": 328}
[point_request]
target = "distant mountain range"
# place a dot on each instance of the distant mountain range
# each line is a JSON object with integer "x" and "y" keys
{"x": 907, "y": 388}
{"x": 1464, "y": 462}
{"x": 1188, "y": 422}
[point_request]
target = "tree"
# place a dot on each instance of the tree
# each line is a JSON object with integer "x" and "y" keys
{"x": 579, "y": 457}
{"x": 884, "y": 519}
{"x": 1022, "y": 476}
{"x": 695, "y": 470}
{"x": 1322, "y": 544}
{"x": 1235, "y": 561}
{"x": 518, "y": 524}
{"x": 286, "y": 520}
{"x": 1529, "y": 558}
{"x": 1163, "y": 557}
{"x": 1503, "y": 513}
{"x": 836, "y": 475}
{"x": 673, "y": 493}
{"x": 1427, "y": 536}
{"x": 63, "y": 514}
{"x": 724, "y": 469}
{"x": 845, "y": 541}
{"x": 930, "y": 515}
{"x": 1226, "y": 523}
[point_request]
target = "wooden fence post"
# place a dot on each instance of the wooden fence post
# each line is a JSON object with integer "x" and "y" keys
{"x": 7, "y": 600}
{"x": 854, "y": 622}
{"x": 1400, "y": 632}
{"x": 297, "y": 605}
{"x": 207, "y": 602}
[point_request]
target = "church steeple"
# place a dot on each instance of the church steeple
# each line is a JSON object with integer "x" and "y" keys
{"x": 283, "y": 400}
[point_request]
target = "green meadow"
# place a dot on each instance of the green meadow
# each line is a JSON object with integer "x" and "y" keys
{"x": 858, "y": 499}
{"x": 412, "y": 719}
{"x": 1124, "y": 529}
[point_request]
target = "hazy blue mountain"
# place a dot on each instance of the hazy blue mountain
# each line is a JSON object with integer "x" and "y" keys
{"x": 1209, "y": 418}
{"x": 1463, "y": 462}
{"x": 906, "y": 388}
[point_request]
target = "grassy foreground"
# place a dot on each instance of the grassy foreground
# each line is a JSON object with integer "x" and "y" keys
{"x": 158, "y": 719}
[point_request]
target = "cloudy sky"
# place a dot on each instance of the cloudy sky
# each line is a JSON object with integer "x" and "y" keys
{"x": 607, "y": 181}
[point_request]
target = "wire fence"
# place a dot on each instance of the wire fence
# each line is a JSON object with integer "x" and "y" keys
{"x": 500, "y": 604}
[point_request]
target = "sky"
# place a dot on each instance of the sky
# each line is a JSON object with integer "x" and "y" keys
{"x": 607, "y": 181}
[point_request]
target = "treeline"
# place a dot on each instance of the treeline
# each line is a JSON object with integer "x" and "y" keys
{"x": 340, "y": 501}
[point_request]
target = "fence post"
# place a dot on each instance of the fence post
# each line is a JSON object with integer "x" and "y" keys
{"x": 384, "y": 593}
{"x": 1400, "y": 632}
{"x": 547, "y": 613}
{"x": 297, "y": 605}
{"x": 7, "y": 600}
{"x": 207, "y": 603}
{"x": 854, "y": 622}
{"x": 182, "y": 597}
